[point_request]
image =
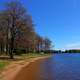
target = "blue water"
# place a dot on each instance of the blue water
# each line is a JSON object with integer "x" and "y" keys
{"x": 63, "y": 67}
{"x": 57, "y": 67}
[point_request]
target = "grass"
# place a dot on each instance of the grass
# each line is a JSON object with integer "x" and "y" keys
{"x": 34, "y": 55}
{"x": 7, "y": 61}
{"x": 3, "y": 63}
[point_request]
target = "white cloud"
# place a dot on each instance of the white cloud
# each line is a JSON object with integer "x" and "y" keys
{"x": 75, "y": 45}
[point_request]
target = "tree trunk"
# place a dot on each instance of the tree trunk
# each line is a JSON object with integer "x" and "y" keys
{"x": 11, "y": 48}
{"x": 12, "y": 39}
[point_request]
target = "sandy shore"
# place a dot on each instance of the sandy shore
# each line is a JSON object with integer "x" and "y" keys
{"x": 14, "y": 68}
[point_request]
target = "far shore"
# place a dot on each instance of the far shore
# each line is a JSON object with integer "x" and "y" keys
{"x": 12, "y": 69}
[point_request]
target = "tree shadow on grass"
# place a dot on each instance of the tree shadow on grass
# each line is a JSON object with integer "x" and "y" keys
{"x": 8, "y": 58}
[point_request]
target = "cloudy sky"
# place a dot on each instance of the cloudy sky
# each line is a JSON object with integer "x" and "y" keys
{"x": 57, "y": 19}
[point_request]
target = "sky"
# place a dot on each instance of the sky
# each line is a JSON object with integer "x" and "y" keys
{"x": 58, "y": 20}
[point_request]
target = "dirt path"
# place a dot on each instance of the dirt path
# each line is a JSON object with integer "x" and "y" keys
{"x": 14, "y": 68}
{"x": 31, "y": 72}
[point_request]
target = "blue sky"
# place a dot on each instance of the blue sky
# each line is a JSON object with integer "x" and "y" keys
{"x": 59, "y": 20}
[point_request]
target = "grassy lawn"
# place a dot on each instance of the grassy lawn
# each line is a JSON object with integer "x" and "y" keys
{"x": 34, "y": 55}
{"x": 5, "y": 62}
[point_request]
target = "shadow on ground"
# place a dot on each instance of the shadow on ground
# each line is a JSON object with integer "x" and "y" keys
{"x": 8, "y": 58}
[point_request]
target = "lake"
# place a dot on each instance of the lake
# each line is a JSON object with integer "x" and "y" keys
{"x": 58, "y": 67}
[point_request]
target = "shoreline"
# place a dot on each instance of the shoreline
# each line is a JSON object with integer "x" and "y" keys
{"x": 14, "y": 68}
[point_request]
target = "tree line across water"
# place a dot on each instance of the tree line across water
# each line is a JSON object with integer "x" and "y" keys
{"x": 66, "y": 51}
{"x": 17, "y": 33}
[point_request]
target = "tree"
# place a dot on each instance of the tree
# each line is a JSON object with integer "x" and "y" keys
{"x": 17, "y": 31}
{"x": 19, "y": 24}
{"x": 38, "y": 43}
{"x": 47, "y": 43}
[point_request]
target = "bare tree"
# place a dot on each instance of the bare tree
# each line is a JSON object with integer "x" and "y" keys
{"x": 17, "y": 31}
{"x": 18, "y": 23}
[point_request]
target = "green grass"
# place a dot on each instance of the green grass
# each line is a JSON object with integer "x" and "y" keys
{"x": 25, "y": 56}
{"x": 4, "y": 63}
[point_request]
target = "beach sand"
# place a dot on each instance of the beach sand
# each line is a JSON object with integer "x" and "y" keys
{"x": 11, "y": 72}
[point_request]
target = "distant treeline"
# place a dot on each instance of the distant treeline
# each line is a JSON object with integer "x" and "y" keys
{"x": 66, "y": 51}
{"x": 72, "y": 51}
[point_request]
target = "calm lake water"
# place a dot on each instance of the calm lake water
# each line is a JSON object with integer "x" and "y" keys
{"x": 57, "y": 67}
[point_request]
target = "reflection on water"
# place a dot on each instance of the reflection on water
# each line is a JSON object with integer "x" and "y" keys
{"x": 58, "y": 67}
